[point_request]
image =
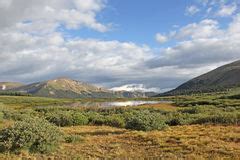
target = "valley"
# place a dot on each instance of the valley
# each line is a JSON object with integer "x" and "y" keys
{"x": 119, "y": 80}
{"x": 38, "y": 125}
{"x": 192, "y": 127}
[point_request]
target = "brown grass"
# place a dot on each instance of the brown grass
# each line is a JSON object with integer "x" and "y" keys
{"x": 181, "y": 142}
{"x": 6, "y": 123}
{"x": 161, "y": 106}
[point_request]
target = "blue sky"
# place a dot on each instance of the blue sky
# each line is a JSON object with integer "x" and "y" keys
{"x": 139, "y": 21}
{"x": 154, "y": 45}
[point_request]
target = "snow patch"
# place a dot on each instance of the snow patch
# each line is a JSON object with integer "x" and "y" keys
{"x": 4, "y": 87}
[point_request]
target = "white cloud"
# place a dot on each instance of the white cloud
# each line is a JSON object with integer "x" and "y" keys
{"x": 227, "y": 10}
{"x": 219, "y": 8}
{"x": 191, "y": 10}
{"x": 203, "y": 44}
{"x": 33, "y": 48}
{"x": 204, "y": 29}
{"x": 161, "y": 38}
{"x": 48, "y": 14}
{"x": 30, "y": 57}
{"x": 135, "y": 87}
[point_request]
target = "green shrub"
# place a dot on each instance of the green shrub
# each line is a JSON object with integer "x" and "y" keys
{"x": 199, "y": 109}
{"x": 219, "y": 118}
{"x": 1, "y": 116}
{"x": 109, "y": 120}
{"x": 96, "y": 119}
{"x": 34, "y": 134}
{"x": 145, "y": 121}
{"x": 115, "y": 121}
{"x": 175, "y": 119}
{"x": 17, "y": 115}
{"x": 66, "y": 118}
{"x": 79, "y": 119}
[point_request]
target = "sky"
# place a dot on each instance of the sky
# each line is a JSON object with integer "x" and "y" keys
{"x": 149, "y": 44}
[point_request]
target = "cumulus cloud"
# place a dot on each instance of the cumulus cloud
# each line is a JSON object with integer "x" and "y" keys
{"x": 203, "y": 44}
{"x": 33, "y": 48}
{"x": 204, "y": 29}
{"x": 227, "y": 10}
{"x": 161, "y": 38}
{"x": 48, "y": 14}
{"x": 217, "y": 8}
{"x": 191, "y": 10}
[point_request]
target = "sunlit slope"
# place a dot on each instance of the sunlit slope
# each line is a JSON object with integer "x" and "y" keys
{"x": 9, "y": 85}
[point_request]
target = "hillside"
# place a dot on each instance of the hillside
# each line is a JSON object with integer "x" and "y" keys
{"x": 63, "y": 88}
{"x": 220, "y": 79}
{"x": 68, "y": 88}
{"x": 9, "y": 85}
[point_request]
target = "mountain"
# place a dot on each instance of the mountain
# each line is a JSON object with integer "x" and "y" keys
{"x": 220, "y": 79}
{"x": 68, "y": 88}
{"x": 64, "y": 88}
{"x": 9, "y": 85}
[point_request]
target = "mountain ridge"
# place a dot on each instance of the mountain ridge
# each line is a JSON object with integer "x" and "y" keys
{"x": 220, "y": 79}
{"x": 9, "y": 85}
{"x": 68, "y": 88}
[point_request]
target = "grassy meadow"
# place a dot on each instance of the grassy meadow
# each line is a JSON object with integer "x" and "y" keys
{"x": 203, "y": 126}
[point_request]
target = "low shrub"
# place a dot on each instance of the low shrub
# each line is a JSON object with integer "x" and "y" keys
{"x": 199, "y": 109}
{"x": 109, "y": 120}
{"x": 96, "y": 118}
{"x": 66, "y": 118}
{"x": 219, "y": 118}
{"x": 1, "y": 116}
{"x": 175, "y": 119}
{"x": 145, "y": 121}
{"x": 115, "y": 121}
{"x": 33, "y": 134}
{"x": 17, "y": 115}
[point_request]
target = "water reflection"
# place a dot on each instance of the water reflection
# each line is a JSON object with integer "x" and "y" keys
{"x": 116, "y": 104}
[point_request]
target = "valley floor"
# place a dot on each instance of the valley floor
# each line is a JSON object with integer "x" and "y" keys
{"x": 180, "y": 142}
{"x": 188, "y": 142}
{"x": 205, "y": 127}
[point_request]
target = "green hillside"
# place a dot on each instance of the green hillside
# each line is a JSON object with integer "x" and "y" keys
{"x": 221, "y": 79}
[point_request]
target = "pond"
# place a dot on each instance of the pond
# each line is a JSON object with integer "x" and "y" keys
{"x": 116, "y": 103}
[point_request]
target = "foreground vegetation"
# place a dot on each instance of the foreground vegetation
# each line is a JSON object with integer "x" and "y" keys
{"x": 193, "y": 127}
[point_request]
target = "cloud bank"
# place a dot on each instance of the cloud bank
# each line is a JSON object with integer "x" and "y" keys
{"x": 34, "y": 47}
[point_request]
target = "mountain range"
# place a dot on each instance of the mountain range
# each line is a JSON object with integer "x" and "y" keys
{"x": 68, "y": 88}
{"x": 220, "y": 79}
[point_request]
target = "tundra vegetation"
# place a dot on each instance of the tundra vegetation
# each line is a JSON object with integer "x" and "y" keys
{"x": 202, "y": 126}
